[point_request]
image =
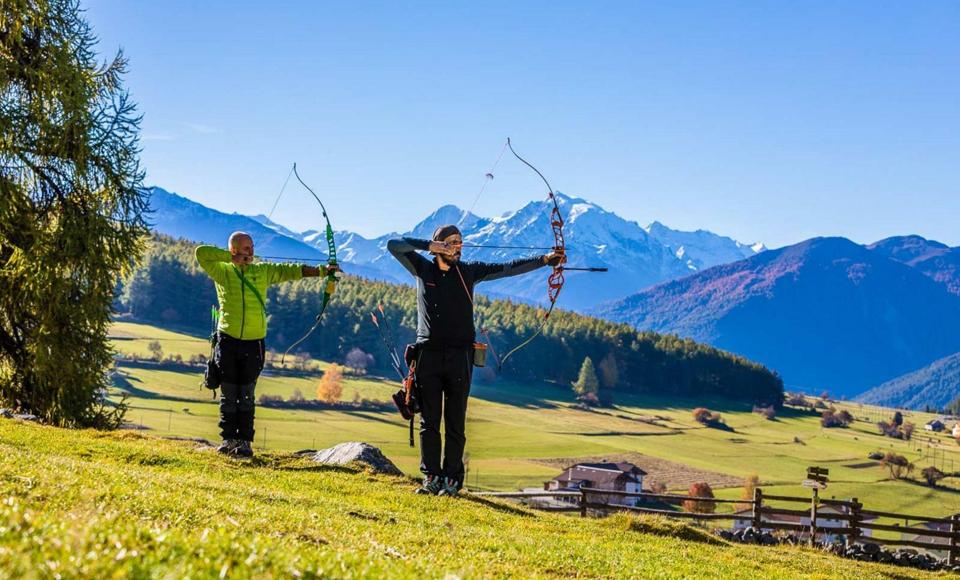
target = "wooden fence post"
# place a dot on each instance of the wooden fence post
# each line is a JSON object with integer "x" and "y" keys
{"x": 855, "y": 518}
{"x": 757, "y": 508}
{"x": 583, "y": 503}
{"x": 954, "y": 529}
{"x": 813, "y": 518}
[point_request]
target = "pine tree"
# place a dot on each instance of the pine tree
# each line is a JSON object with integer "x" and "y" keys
{"x": 71, "y": 211}
{"x": 586, "y": 384}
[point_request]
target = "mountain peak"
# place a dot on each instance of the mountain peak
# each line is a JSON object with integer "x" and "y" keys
{"x": 908, "y": 249}
{"x": 702, "y": 249}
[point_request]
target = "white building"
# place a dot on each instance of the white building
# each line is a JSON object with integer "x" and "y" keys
{"x": 621, "y": 476}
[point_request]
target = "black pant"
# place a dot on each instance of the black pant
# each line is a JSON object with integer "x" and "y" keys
{"x": 443, "y": 379}
{"x": 240, "y": 363}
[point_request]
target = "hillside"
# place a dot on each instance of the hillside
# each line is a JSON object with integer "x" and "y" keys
{"x": 520, "y": 434}
{"x": 170, "y": 509}
{"x": 826, "y": 314}
{"x": 933, "y": 386}
{"x": 169, "y": 288}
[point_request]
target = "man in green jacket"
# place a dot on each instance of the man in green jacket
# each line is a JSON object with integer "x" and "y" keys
{"x": 239, "y": 350}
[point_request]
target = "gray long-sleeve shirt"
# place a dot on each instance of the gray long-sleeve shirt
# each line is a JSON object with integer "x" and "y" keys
{"x": 444, "y": 302}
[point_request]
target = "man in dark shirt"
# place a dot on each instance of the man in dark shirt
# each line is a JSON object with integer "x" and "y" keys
{"x": 445, "y": 337}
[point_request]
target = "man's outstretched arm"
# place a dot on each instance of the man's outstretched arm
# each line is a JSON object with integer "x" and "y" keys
{"x": 484, "y": 272}
{"x": 321, "y": 271}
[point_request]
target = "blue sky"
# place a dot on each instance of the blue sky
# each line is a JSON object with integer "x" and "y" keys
{"x": 769, "y": 121}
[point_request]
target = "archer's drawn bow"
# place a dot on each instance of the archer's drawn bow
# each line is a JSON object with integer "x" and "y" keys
{"x": 330, "y": 282}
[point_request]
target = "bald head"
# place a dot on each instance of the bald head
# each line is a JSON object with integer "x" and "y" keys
{"x": 238, "y": 240}
{"x": 241, "y": 243}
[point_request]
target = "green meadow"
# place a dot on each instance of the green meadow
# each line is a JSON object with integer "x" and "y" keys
{"x": 519, "y": 435}
{"x": 127, "y": 504}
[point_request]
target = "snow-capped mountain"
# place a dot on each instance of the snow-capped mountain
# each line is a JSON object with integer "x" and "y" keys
{"x": 701, "y": 249}
{"x": 637, "y": 257}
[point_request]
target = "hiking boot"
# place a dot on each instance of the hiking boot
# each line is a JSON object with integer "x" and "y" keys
{"x": 451, "y": 487}
{"x": 228, "y": 446}
{"x": 432, "y": 484}
{"x": 244, "y": 449}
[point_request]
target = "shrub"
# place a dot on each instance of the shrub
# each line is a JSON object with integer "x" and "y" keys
{"x": 267, "y": 399}
{"x": 769, "y": 413}
{"x": 702, "y": 415}
{"x": 701, "y": 489}
{"x": 296, "y": 396}
{"x": 796, "y": 400}
{"x": 708, "y": 418}
{"x": 932, "y": 475}
{"x": 906, "y": 432}
{"x": 832, "y": 418}
{"x": 357, "y": 360}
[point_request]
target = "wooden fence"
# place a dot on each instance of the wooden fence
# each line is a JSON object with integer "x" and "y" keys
{"x": 854, "y": 519}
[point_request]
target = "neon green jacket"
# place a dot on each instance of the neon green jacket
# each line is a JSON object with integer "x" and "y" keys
{"x": 241, "y": 313}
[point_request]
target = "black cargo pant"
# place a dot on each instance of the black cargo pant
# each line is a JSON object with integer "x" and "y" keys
{"x": 443, "y": 379}
{"x": 240, "y": 363}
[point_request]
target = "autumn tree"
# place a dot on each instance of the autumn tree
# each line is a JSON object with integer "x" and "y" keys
{"x": 897, "y": 465}
{"x": 750, "y": 485}
{"x": 701, "y": 489}
{"x": 609, "y": 373}
{"x": 155, "y": 349}
{"x": 72, "y": 211}
{"x": 330, "y": 386}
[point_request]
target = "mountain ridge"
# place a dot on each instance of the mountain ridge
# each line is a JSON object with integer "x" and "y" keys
{"x": 826, "y": 313}
{"x": 595, "y": 237}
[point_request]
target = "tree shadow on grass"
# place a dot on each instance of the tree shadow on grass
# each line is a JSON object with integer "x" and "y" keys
{"x": 365, "y": 415}
{"x": 295, "y": 463}
{"x": 924, "y": 485}
{"x": 125, "y": 383}
{"x": 618, "y": 433}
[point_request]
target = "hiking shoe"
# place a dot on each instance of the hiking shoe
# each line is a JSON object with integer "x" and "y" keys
{"x": 432, "y": 484}
{"x": 244, "y": 449}
{"x": 228, "y": 446}
{"x": 451, "y": 488}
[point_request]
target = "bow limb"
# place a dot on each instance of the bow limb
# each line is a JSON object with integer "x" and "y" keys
{"x": 556, "y": 279}
{"x": 330, "y": 281}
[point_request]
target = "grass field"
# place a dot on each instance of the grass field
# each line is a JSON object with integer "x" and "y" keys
{"x": 518, "y": 434}
{"x": 85, "y": 504}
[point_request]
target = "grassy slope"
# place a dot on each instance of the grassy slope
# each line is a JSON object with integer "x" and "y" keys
{"x": 124, "y": 504}
{"x": 510, "y": 426}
